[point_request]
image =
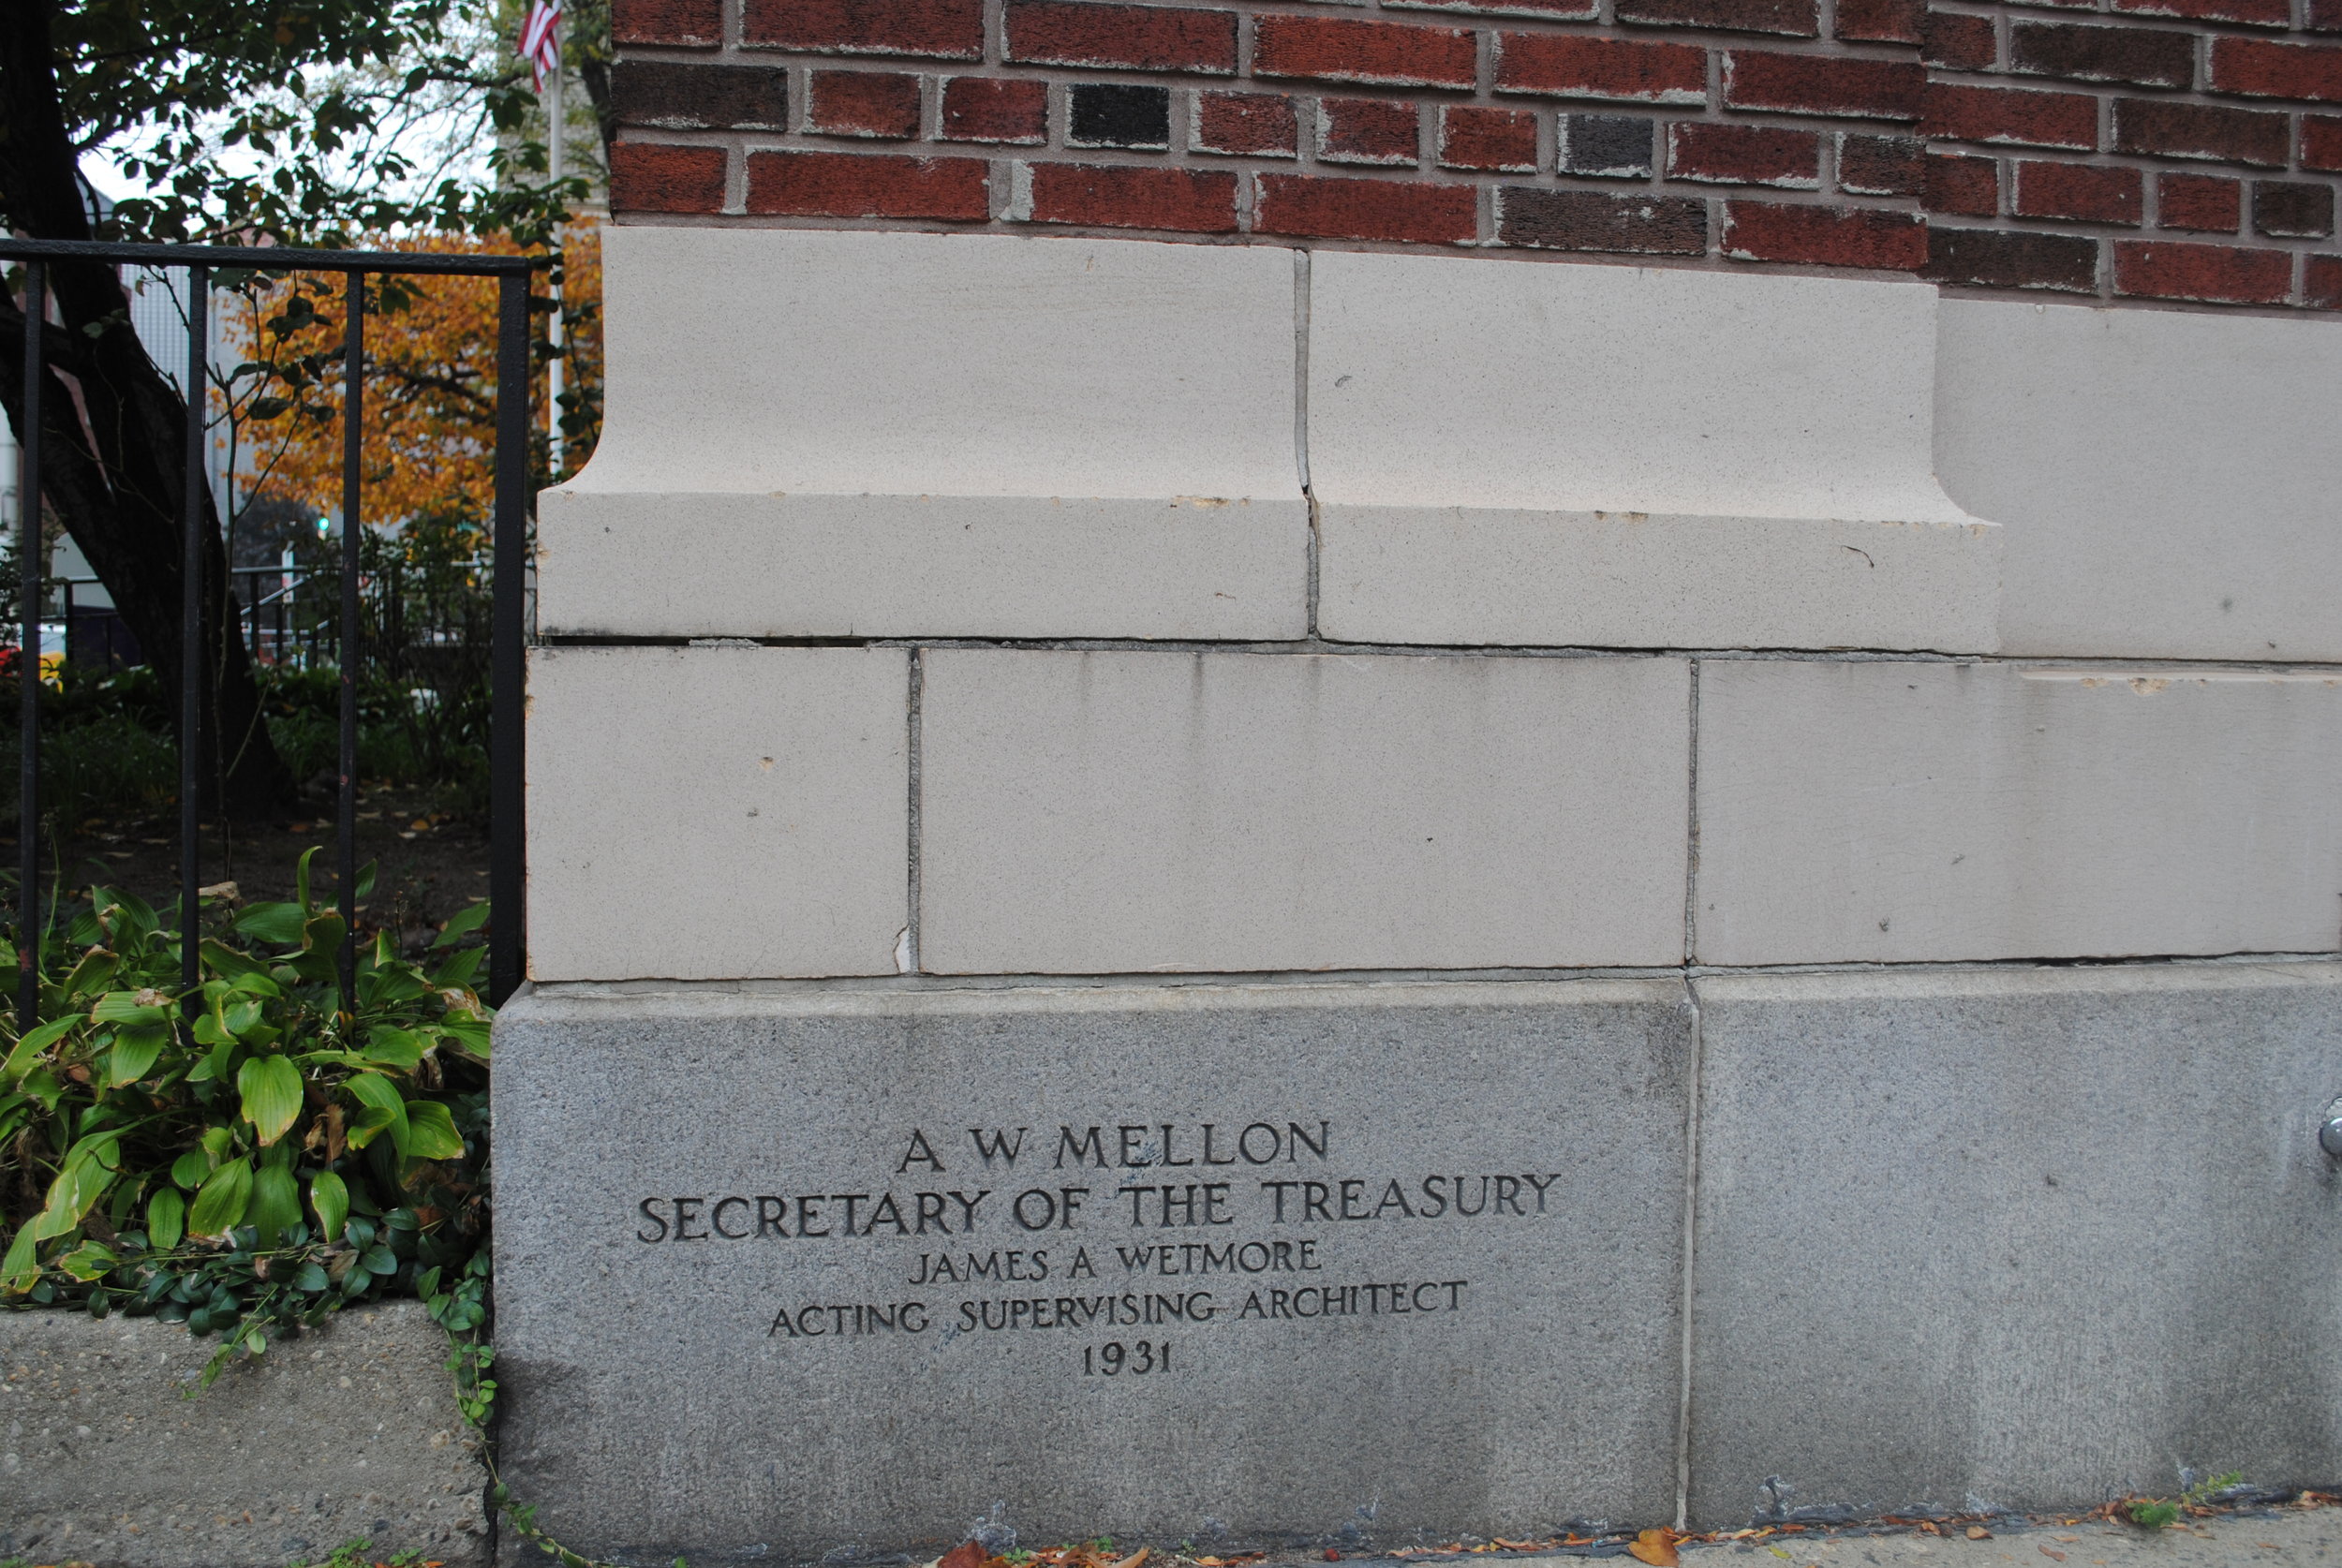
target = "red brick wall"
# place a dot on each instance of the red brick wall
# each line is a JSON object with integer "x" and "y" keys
{"x": 2116, "y": 148}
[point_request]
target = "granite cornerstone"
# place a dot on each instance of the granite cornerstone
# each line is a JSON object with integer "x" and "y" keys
{"x": 1536, "y": 828}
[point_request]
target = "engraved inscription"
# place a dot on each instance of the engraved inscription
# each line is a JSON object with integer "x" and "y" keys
{"x": 1260, "y": 1214}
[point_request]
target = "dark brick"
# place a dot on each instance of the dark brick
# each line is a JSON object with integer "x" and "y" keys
{"x": 1963, "y": 113}
{"x": 2322, "y": 16}
{"x": 1385, "y": 54}
{"x": 1712, "y": 153}
{"x": 2203, "y": 203}
{"x": 2160, "y": 127}
{"x": 1823, "y": 84}
{"x": 1958, "y": 41}
{"x": 1130, "y": 37}
{"x": 1797, "y": 17}
{"x": 649, "y": 177}
{"x": 1881, "y": 165}
{"x": 1967, "y": 187}
{"x": 680, "y": 96}
{"x": 2322, "y": 142}
{"x": 688, "y": 23}
{"x": 1244, "y": 124}
{"x": 2081, "y": 192}
{"x": 1880, "y": 20}
{"x": 2321, "y": 282}
{"x": 1540, "y": 218}
{"x": 869, "y": 185}
{"x": 1413, "y": 210}
{"x": 933, "y": 29}
{"x": 1575, "y": 65}
{"x": 1616, "y": 146}
{"x": 1557, "y": 10}
{"x": 1367, "y": 130}
{"x": 1825, "y": 236}
{"x": 882, "y": 105}
{"x": 2218, "y": 274}
{"x": 994, "y": 109}
{"x": 2292, "y": 210}
{"x": 2012, "y": 259}
{"x": 2146, "y": 56}
{"x": 1135, "y": 196}
{"x": 1494, "y": 138}
{"x": 1112, "y": 115}
{"x": 2263, "y": 13}
{"x": 2256, "y": 68}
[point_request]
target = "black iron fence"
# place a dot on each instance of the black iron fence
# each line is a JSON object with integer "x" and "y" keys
{"x": 509, "y": 546}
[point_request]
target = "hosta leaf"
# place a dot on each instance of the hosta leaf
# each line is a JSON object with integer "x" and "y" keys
{"x": 241, "y": 1014}
{"x": 379, "y": 1093}
{"x": 271, "y": 1088}
{"x": 222, "y": 1202}
{"x": 463, "y": 924}
{"x": 166, "y": 1217}
{"x": 323, "y": 934}
{"x": 431, "y": 1132}
{"x": 27, "y": 1050}
{"x": 88, "y": 1262}
{"x": 136, "y": 1046}
{"x": 131, "y": 1007}
{"x": 329, "y": 1196}
{"x": 21, "y": 1266}
{"x": 276, "y": 1204}
{"x": 190, "y": 1169}
{"x": 279, "y": 924}
{"x": 393, "y": 1048}
{"x": 367, "y": 1124}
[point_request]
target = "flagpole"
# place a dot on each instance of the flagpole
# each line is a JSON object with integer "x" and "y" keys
{"x": 554, "y": 127}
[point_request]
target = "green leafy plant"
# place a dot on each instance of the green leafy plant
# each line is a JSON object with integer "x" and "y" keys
{"x": 2161, "y": 1513}
{"x": 244, "y": 1156}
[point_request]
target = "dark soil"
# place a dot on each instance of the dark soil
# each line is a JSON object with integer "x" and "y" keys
{"x": 432, "y": 862}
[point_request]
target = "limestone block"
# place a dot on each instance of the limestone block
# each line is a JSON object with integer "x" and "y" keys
{"x": 349, "y": 1431}
{"x": 2016, "y": 1239}
{"x": 1107, "y": 812}
{"x": 716, "y": 812}
{"x": 1898, "y": 812}
{"x": 705, "y": 1354}
{"x": 817, "y": 434}
{"x": 2167, "y": 477}
{"x": 1519, "y": 452}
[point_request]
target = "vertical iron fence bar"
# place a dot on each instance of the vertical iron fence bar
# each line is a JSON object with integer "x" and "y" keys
{"x": 346, "y": 827}
{"x": 191, "y": 649}
{"x": 28, "y": 653}
{"x": 507, "y": 757}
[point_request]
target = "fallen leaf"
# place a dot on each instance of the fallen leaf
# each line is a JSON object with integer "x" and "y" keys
{"x": 1137, "y": 1559}
{"x": 2058, "y": 1556}
{"x": 1516, "y": 1545}
{"x": 1977, "y": 1532}
{"x": 218, "y": 889}
{"x": 1778, "y": 1552}
{"x": 966, "y": 1555}
{"x": 2069, "y": 1539}
{"x": 1333, "y": 1556}
{"x": 1654, "y": 1547}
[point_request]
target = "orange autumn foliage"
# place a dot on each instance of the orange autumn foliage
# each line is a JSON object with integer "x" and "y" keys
{"x": 429, "y": 400}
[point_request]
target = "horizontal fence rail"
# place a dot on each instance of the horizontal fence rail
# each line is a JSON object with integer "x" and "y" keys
{"x": 508, "y": 548}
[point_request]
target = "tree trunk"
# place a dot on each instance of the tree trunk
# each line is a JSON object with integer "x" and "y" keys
{"x": 113, "y": 461}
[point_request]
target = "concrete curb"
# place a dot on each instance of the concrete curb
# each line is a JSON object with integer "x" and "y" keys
{"x": 349, "y": 1431}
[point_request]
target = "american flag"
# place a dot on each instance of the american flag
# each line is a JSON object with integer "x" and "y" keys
{"x": 538, "y": 45}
